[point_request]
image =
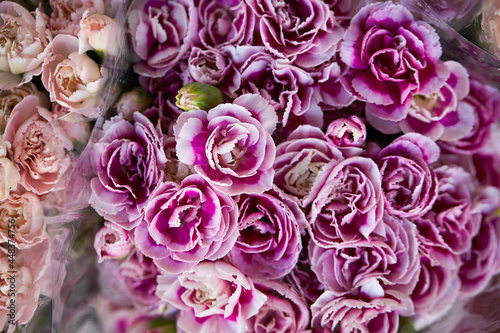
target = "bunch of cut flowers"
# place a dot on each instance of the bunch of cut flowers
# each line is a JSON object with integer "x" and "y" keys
{"x": 269, "y": 165}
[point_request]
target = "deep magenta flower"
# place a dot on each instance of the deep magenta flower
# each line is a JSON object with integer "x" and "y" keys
{"x": 187, "y": 223}
{"x": 269, "y": 243}
{"x": 392, "y": 58}
{"x": 128, "y": 161}
{"x": 230, "y": 145}
{"x": 348, "y": 205}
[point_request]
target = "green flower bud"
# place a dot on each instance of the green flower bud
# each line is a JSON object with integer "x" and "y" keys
{"x": 199, "y": 96}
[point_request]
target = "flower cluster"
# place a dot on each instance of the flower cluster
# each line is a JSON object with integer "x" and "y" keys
{"x": 294, "y": 166}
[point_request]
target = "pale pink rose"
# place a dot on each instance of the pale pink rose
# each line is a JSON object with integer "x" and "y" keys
{"x": 9, "y": 98}
{"x": 66, "y": 14}
{"x": 27, "y": 271}
{"x": 112, "y": 242}
{"x": 25, "y": 213}
{"x": 24, "y": 44}
{"x": 72, "y": 80}
{"x": 37, "y": 152}
{"x": 99, "y": 32}
{"x": 214, "y": 297}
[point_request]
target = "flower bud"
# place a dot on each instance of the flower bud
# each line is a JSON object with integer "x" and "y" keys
{"x": 199, "y": 96}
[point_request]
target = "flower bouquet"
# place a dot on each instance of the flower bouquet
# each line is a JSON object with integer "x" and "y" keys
{"x": 253, "y": 166}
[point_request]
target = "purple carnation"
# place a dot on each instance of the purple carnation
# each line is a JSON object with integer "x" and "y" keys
{"x": 269, "y": 242}
{"x": 284, "y": 310}
{"x": 294, "y": 28}
{"x": 128, "y": 160}
{"x": 299, "y": 159}
{"x": 348, "y": 204}
{"x": 392, "y": 57}
{"x": 481, "y": 261}
{"x": 410, "y": 186}
{"x": 454, "y": 218}
{"x": 187, "y": 223}
{"x": 162, "y": 33}
{"x": 384, "y": 266}
{"x": 225, "y": 22}
{"x": 288, "y": 88}
{"x": 484, "y": 101}
{"x": 442, "y": 114}
{"x": 350, "y": 314}
{"x": 230, "y": 145}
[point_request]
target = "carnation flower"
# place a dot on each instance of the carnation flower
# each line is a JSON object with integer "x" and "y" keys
{"x": 128, "y": 161}
{"x": 348, "y": 203}
{"x": 27, "y": 276}
{"x": 36, "y": 148}
{"x": 283, "y": 311}
{"x": 162, "y": 33}
{"x": 269, "y": 243}
{"x": 25, "y": 213}
{"x": 299, "y": 160}
{"x": 231, "y": 145}
{"x": 187, "y": 223}
{"x": 348, "y": 314}
{"x": 24, "y": 45}
{"x": 382, "y": 267}
{"x": 410, "y": 187}
{"x": 288, "y": 88}
{"x": 99, "y": 32}
{"x": 225, "y": 22}
{"x": 392, "y": 58}
{"x": 66, "y": 14}
{"x": 72, "y": 79}
{"x": 214, "y": 297}
{"x": 485, "y": 102}
{"x": 140, "y": 275}
{"x": 442, "y": 115}
{"x": 112, "y": 242}
{"x": 304, "y": 29}
{"x": 482, "y": 260}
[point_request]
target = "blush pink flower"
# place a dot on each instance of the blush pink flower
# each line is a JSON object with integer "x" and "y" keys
{"x": 30, "y": 267}
{"x": 24, "y": 44}
{"x": 66, "y": 14}
{"x": 72, "y": 79}
{"x": 214, "y": 297}
{"x": 112, "y": 242}
{"x": 36, "y": 150}
{"x": 26, "y": 211}
{"x": 230, "y": 145}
